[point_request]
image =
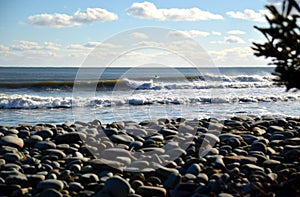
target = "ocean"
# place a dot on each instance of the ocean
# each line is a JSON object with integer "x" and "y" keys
{"x": 56, "y": 95}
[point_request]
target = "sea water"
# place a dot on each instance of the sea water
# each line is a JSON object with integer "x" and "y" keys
{"x": 47, "y": 95}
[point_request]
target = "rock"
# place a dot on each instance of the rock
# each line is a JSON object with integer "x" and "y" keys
{"x": 69, "y": 138}
{"x": 252, "y": 167}
{"x": 149, "y": 191}
{"x": 89, "y": 178}
{"x": 211, "y": 138}
{"x": 45, "y": 133}
{"x": 75, "y": 186}
{"x": 33, "y": 139}
{"x": 224, "y": 195}
{"x": 202, "y": 177}
{"x": 12, "y": 157}
{"x": 270, "y": 163}
{"x": 11, "y": 141}
{"x": 110, "y": 131}
{"x": 292, "y": 155}
{"x": 50, "y": 192}
{"x": 54, "y": 152}
{"x": 165, "y": 172}
{"x": 117, "y": 187}
{"x": 194, "y": 169}
{"x": 258, "y": 146}
{"x": 172, "y": 180}
{"x": 50, "y": 183}
{"x": 135, "y": 184}
{"x": 273, "y": 129}
{"x": 19, "y": 179}
{"x": 121, "y": 139}
{"x": 45, "y": 145}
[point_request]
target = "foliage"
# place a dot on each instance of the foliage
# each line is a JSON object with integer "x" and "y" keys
{"x": 283, "y": 43}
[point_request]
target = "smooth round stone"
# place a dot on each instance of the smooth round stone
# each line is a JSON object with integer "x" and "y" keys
{"x": 233, "y": 142}
{"x": 274, "y": 128}
{"x": 211, "y": 138}
{"x": 33, "y": 139}
{"x": 202, "y": 177}
{"x": 11, "y": 141}
{"x": 292, "y": 155}
{"x": 23, "y": 134}
{"x": 167, "y": 132}
{"x": 11, "y": 132}
{"x": 135, "y": 145}
{"x": 117, "y": 187}
{"x": 258, "y": 146}
{"x": 50, "y": 183}
{"x": 224, "y": 195}
{"x": 50, "y": 193}
{"x": 149, "y": 191}
{"x": 20, "y": 179}
{"x": 45, "y": 133}
{"x": 11, "y": 157}
{"x": 252, "y": 167}
{"x": 45, "y": 145}
{"x": 135, "y": 184}
{"x": 69, "y": 138}
{"x": 111, "y": 131}
{"x": 209, "y": 151}
{"x": 2, "y": 162}
{"x": 137, "y": 132}
{"x": 249, "y": 139}
{"x": 165, "y": 172}
{"x": 89, "y": 178}
{"x": 176, "y": 152}
{"x": 112, "y": 153}
{"x": 54, "y": 152}
{"x": 34, "y": 179}
{"x": 122, "y": 139}
{"x": 172, "y": 180}
{"x": 75, "y": 186}
{"x": 194, "y": 169}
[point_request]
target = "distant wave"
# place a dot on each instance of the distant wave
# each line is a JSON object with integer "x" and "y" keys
{"x": 205, "y": 81}
{"x": 37, "y": 102}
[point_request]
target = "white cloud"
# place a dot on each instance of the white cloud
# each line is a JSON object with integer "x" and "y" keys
{"x": 139, "y": 35}
{"x": 191, "y": 33}
{"x": 234, "y": 40}
{"x": 216, "y": 33}
{"x": 236, "y": 32}
{"x": 77, "y": 19}
{"x": 3, "y": 48}
{"x": 24, "y": 45}
{"x": 236, "y": 56}
{"x": 249, "y": 14}
{"x": 229, "y": 40}
{"x": 148, "y": 10}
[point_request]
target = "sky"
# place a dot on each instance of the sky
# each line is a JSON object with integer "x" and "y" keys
{"x": 65, "y": 32}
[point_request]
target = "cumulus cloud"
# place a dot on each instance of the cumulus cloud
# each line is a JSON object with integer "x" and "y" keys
{"x": 139, "y": 35}
{"x": 236, "y": 32}
{"x": 24, "y": 45}
{"x": 234, "y": 39}
{"x": 216, "y": 33}
{"x": 191, "y": 33}
{"x": 148, "y": 10}
{"x": 230, "y": 40}
{"x": 3, "y": 48}
{"x": 249, "y": 14}
{"x": 57, "y": 20}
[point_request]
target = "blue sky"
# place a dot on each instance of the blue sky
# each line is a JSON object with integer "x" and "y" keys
{"x": 63, "y": 32}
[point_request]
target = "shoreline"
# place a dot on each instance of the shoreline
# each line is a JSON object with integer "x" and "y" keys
{"x": 238, "y": 156}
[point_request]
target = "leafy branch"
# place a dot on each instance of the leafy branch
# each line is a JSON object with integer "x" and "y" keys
{"x": 283, "y": 43}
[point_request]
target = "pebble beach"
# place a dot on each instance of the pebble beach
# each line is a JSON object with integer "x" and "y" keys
{"x": 238, "y": 156}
